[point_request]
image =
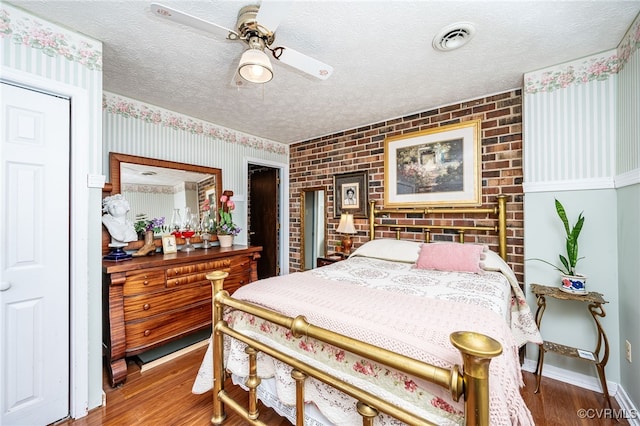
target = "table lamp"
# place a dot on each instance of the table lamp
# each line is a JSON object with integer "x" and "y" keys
{"x": 347, "y": 228}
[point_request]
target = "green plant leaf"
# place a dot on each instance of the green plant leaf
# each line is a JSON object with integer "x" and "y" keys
{"x": 567, "y": 268}
{"x": 563, "y": 216}
{"x": 575, "y": 232}
{"x": 548, "y": 263}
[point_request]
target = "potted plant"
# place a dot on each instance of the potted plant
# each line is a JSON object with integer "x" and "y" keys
{"x": 572, "y": 281}
{"x": 226, "y": 228}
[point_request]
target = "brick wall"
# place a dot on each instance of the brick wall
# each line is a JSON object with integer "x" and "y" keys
{"x": 313, "y": 163}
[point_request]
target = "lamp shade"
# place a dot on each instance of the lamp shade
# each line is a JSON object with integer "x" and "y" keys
{"x": 346, "y": 224}
{"x": 255, "y": 66}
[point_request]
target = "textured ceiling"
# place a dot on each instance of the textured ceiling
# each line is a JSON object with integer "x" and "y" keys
{"x": 381, "y": 51}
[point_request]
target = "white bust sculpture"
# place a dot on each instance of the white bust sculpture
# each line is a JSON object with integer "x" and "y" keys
{"x": 120, "y": 229}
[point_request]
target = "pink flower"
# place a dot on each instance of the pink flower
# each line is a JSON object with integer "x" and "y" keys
{"x": 410, "y": 385}
{"x": 230, "y": 204}
{"x": 265, "y": 327}
{"x": 223, "y": 199}
{"x": 364, "y": 368}
{"x": 442, "y": 404}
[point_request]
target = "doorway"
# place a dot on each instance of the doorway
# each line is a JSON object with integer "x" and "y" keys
{"x": 264, "y": 213}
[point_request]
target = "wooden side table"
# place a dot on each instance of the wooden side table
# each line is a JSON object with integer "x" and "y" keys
{"x": 599, "y": 356}
{"x": 329, "y": 259}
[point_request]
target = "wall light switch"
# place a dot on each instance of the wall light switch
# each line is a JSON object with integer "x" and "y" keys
{"x": 96, "y": 181}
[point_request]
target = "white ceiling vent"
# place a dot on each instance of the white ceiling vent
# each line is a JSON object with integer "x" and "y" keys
{"x": 453, "y": 36}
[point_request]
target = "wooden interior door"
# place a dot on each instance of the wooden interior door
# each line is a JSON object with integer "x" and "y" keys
{"x": 263, "y": 221}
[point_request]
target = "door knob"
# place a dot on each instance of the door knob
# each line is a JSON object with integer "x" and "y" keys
{"x": 5, "y": 285}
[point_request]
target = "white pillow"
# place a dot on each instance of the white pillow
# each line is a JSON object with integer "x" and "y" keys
{"x": 390, "y": 249}
{"x": 493, "y": 262}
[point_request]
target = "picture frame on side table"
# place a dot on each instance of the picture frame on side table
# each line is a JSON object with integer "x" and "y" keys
{"x": 351, "y": 194}
{"x": 439, "y": 166}
{"x": 169, "y": 244}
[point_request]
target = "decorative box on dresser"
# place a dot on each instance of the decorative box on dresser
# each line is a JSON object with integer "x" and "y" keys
{"x": 152, "y": 300}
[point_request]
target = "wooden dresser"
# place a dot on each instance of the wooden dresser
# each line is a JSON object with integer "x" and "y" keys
{"x": 152, "y": 300}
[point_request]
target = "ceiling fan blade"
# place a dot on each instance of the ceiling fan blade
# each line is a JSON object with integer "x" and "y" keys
{"x": 271, "y": 13}
{"x": 192, "y": 21}
{"x": 303, "y": 62}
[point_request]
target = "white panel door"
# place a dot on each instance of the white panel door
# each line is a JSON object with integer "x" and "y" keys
{"x": 34, "y": 258}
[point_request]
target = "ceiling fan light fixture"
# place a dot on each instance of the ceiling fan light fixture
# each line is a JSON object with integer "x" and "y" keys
{"x": 255, "y": 66}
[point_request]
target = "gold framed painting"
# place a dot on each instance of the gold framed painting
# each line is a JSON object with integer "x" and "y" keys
{"x": 439, "y": 166}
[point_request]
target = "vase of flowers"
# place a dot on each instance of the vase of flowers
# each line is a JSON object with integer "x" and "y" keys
{"x": 226, "y": 229}
{"x": 148, "y": 228}
{"x": 143, "y": 225}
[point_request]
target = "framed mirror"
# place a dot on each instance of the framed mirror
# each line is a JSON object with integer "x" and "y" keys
{"x": 156, "y": 187}
{"x": 313, "y": 227}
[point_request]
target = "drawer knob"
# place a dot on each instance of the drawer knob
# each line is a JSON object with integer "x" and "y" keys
{"x": 147, "y": 332}
{"x": 241, "y": 281}
{"x": 146, "y": 306}
{"x": 145, "y": 282}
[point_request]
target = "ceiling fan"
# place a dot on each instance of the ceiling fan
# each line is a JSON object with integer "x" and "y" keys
{"x": 255, "y": 26}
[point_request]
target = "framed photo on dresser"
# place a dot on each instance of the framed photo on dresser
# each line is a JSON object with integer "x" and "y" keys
{"x": 169, "y": 244}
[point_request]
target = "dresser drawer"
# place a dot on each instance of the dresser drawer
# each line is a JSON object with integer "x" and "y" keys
{"x": 147, "y": 305}
{"x": 162, "y": 328}
{"x": 237, "y": 280}
{"x": 205, "y": 267}
{"x": 140, "y": 282}
{"x": 184, "y": 280}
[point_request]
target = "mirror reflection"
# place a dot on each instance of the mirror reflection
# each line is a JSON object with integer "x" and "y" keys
{"x": 313, "y": 226}
{"x": 156, "y": 188}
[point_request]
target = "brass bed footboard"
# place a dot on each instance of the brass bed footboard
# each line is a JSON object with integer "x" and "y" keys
{"x": 472, "y": 382}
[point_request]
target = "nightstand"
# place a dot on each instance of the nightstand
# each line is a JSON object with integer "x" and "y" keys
{"x": 329, "y": 259}
{"x": 599, "y": 356}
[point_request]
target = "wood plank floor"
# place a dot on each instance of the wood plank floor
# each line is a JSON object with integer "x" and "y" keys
{"x": 162, "y": 396}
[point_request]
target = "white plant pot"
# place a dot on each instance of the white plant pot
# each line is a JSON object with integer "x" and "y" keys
{"x": 225, "y": 240}
{"x": 576, "y": 284}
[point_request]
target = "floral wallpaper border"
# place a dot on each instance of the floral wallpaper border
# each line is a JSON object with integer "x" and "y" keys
{"x": 154, "y": 115}
{"x": 22, "y": 29}
{"x": 591, "y": 69}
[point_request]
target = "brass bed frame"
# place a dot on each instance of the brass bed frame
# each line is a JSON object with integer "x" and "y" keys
{"x": 500, "y": 210}
{"x": 470, "y": 382}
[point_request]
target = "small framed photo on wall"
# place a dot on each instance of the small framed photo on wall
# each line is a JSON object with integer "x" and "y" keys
{"x": 169, "y": 244}
{"x": 351, "y": 194}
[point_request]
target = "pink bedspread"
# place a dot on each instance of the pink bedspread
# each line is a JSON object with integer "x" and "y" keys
{"x": 416, "y": 327}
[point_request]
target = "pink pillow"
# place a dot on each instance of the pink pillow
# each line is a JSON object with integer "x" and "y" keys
{"x": 456, "y": 257}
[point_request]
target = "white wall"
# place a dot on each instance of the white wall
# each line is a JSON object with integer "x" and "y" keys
{"x": 570, "y": 322}
{"x": 628, "y": 184}
{"x": 582, "y": 146}
{"x": 180, "y": 138}
{"x": 75, "y": 61}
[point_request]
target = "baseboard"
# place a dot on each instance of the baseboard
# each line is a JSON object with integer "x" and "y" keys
{"x": 173, "y": 355}
{"x": 629, "y": 410}
{"x": 567, "y": 376}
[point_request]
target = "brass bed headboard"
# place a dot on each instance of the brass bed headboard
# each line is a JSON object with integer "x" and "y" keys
{"x": 500, "y": 210}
